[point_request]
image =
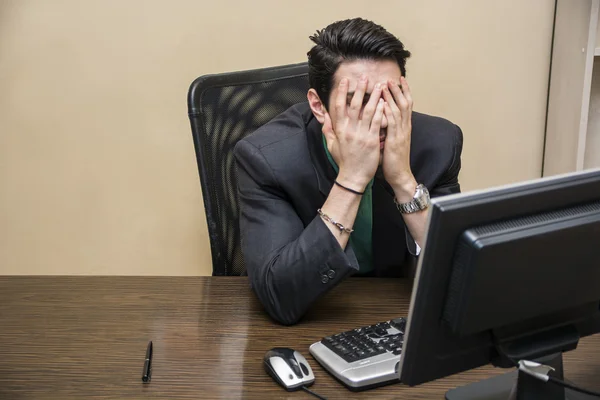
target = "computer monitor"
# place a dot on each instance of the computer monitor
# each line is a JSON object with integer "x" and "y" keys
{"x": 506, "y": 274}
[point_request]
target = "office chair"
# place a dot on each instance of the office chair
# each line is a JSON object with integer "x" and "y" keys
{"x": 224, "y": 108}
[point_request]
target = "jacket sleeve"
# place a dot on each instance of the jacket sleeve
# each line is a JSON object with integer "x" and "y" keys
{"x": 448, "y": 183}
{"x": 289, "y": 265}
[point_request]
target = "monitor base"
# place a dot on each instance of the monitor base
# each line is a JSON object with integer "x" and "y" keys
{"x": 518, "y": 385}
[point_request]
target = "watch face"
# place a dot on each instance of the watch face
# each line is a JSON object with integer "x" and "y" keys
{"x": 422, "y": 197}
{"x": 421, "y": 189}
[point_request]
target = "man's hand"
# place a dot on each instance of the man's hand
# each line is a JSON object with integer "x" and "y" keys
{"x": 396, "y": 152}
{"x": 354, "y": 145}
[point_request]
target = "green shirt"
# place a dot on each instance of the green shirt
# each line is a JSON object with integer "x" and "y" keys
{"x": 361, "y": 238}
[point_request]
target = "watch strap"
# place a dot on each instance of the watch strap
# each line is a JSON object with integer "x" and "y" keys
{"x": 419, "y": 202}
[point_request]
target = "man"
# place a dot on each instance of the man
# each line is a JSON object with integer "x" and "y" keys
{"x": 340, "y": 185}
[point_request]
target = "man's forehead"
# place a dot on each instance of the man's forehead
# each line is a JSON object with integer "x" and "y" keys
{"x": 377, "y": 71}
{"x": 353, "y": 82}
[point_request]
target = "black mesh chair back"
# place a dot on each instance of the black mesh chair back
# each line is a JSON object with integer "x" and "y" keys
{"x": 224, "y": 108}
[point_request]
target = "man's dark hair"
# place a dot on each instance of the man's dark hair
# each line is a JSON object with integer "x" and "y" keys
{"x": 350, "y": 40}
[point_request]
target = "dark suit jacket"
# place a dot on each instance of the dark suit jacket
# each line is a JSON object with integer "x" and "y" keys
{"x": 284, "y": 176}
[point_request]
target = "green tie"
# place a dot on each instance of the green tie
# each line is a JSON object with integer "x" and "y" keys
{"x": 361, "y": 238}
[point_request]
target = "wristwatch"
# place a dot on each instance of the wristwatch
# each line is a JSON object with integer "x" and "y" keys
{"x": 419, "y": 202}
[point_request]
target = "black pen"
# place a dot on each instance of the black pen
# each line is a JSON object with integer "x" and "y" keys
{"x": 148, "y": 364}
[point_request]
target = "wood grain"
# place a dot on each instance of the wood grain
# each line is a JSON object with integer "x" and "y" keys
{"x": 85, "y": 337}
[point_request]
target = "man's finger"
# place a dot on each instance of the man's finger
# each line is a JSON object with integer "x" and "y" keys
{"x": 357, "y": 100}
{"x": 340, "y": 100}
{"x": 406, "y": 92}
{"x": 327, "y": 128}
{"x": 401, "y": 101}
{"x": 377, "y": 118}
{"x": 371, "y": 106}
{"x": 391, "y": 119}
{"x": 387, "y": 96}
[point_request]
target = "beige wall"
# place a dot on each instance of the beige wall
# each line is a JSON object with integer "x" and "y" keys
{"x": 598, "y": 36}
{"x": 97, "y": 170}
{"x": 592, "y": 145}
{"x": 572, "y": 135}
{"x": 570, "y": 84}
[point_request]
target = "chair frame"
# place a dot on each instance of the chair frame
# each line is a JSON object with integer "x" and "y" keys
{"x": 194, "y": 101}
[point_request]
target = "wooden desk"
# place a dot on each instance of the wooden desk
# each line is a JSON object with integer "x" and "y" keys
{"x": 83, "y": 337}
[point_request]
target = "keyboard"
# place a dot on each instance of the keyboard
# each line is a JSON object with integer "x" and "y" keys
{"x": 365, "y": 357}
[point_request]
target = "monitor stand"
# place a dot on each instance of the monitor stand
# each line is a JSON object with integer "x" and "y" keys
{"x": 518, "y": 385}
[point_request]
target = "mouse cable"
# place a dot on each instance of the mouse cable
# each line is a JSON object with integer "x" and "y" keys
{"x": 572, "y": 387}
{"x": 313, "y": 393}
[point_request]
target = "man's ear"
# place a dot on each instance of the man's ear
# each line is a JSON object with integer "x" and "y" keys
{"x": 317, "y": 106}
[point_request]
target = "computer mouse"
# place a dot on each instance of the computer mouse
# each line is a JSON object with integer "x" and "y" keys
{"x": 288, "y": 368}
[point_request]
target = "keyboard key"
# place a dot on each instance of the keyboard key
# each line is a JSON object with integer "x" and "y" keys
{"x": 397, "y": 351}
{"x": 396, "y": 338}
{"x": 399, "y": 323}
{"x": 381, "y": 332}
{"x": 394, "y": 346}
{"x": 383, "y": 325}
{"x": 361, "y": 353}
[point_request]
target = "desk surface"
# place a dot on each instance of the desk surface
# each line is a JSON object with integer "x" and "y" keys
{"x": 82, "y": 337}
